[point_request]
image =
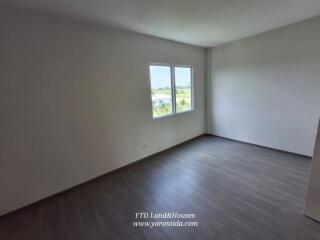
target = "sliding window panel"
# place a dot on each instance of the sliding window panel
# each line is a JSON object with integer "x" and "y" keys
{"x": 161, "y": 90}
{"x": 183, "y": 88}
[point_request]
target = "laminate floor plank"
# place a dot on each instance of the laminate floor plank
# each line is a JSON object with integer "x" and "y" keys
{"x": 237, "y": 191}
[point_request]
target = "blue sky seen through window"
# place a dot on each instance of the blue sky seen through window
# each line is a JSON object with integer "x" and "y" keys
{"x": 160, "y": 77}
{"x": 182, "y": 76}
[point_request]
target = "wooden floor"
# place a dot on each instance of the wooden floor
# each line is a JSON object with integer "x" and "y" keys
{"x": 236, "y": 191}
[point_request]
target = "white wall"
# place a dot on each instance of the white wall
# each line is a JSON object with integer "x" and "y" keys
{"x": 312, "y": 205}
{"x": 75, "y": 103}
{"x": 266, "y": 89}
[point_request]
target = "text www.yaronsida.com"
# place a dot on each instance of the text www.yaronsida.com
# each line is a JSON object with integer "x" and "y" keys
{"x": 177, "y": 223}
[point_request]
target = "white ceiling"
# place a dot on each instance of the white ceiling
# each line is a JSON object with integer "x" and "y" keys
{"x": 197, "y": 22}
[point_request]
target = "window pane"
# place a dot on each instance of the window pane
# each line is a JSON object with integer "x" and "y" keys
{"x": 161, "y": 91}
{"x": 183, "y": 81}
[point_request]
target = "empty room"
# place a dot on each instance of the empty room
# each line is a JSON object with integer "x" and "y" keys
{"x": 159, "y": 119}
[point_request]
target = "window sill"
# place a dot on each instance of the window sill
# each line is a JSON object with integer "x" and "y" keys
{"x": 173, "y": 114}
{"x": 188, "y": 111}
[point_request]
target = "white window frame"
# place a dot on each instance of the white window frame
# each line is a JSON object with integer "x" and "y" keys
{"x": 173, "y": 88}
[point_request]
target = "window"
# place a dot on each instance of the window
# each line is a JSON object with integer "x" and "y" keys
{"x": 161, "y": 90}
{"x": 183, "y": 88}
{"x": 171, "y": 89}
